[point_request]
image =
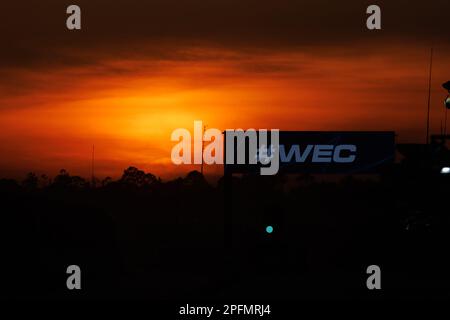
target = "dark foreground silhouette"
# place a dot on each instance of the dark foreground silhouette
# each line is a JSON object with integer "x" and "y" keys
{"x": 140, "y": 237}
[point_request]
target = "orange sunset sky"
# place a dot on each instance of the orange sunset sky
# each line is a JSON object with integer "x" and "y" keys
{"x": 140, "y": 69}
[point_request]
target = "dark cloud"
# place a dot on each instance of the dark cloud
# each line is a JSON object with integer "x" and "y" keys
{"x": 33, "y": 32}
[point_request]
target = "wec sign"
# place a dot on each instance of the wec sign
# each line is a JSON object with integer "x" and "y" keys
{"x": 320, "y": 153}
{"x": 324, "y": 152}
{"x": 290, "y": 151}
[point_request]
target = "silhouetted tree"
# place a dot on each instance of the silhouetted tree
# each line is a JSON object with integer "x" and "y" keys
{"x": 195, "y": 178}
{"x": 106, "y": 181}
{"x": 8, "y": 185}
{"x": 31, "y": 181}
{"x": 65, "y": 180}
{"x": 45, "y": 181}
{"x": 138, "y": 178}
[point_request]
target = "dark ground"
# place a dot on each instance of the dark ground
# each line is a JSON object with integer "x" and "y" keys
{"x": 139, "y": 237}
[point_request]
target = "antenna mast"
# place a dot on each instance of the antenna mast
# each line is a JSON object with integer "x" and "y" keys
{"x": 92, "y": 167}
{"x": 429, "y": 97}
{"x": 203, "y": 147}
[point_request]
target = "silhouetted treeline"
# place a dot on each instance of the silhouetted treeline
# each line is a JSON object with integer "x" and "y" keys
{"x": 141, "y": 237}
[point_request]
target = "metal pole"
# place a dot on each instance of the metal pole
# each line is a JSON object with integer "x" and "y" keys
{"x": 203, "y": 146}
{"x": 228, "y": 194}
{"x": 429, "y": 97}
{"x": 92, "y": 166}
